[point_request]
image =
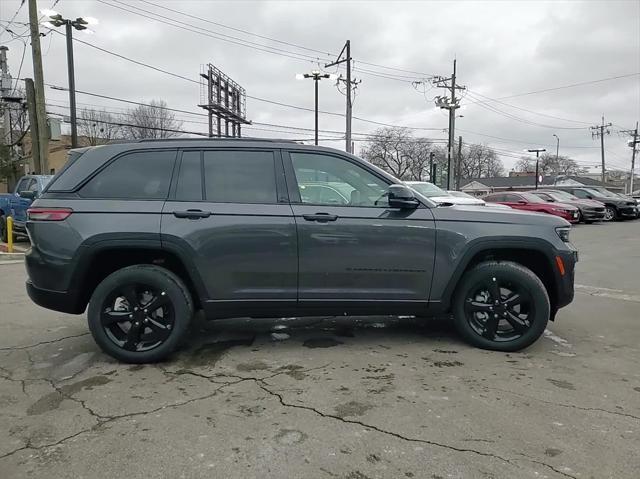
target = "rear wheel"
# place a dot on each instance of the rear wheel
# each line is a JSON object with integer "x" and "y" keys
{"x": 140, "y": 313}
{"x": 501, "y": 306}
{"x": 610, "y": 213}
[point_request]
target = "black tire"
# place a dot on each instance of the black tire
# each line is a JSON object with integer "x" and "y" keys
{"x": 165, "y": 326}
{"x": 581, "y": 217}
{"x": 512, "y": 332}
{"x": 611, "y": 214}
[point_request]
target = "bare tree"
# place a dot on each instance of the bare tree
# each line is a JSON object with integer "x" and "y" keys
{"x": 548, "y": 165}
{"x": 478, "y": 161}
{"x": 98, "y": 126}
{"x": 396, "y": 151}
{"x": 151, "y": 121}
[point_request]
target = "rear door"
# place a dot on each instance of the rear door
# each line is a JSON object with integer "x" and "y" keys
{"x": 228, "y": 213}
{"x": 353, "y": 247}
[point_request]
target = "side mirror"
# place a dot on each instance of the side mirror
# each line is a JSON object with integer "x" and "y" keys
{"x": 522, "y": 202}
{"x": 401, "y": 196}
{"x": 551, "y": 200}
{"x": 29, "y": 195}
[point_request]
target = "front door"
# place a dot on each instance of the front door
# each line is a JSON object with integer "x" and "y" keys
{"x": 352, "y": 246}
{"x": 228, "y": 212}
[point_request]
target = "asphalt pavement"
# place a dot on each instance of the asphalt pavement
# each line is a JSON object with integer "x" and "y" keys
{"x": 351, "y": 398}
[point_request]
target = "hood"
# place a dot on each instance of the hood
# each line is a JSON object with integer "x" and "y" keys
{"x": 591, "y": 203}
{"x": 482, "y": 214}
{"x": 457, "y": 200}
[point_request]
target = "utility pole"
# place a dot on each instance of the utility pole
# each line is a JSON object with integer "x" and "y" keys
{"x": 450, "y": 103}
{"x": 599, "y": 131}
{"x": 33, "y": 114}
{"x": 634, "y": 145}
{"x": 5, "y": 90}
{"x": 459, "y": 163}
{"x": 40, "y": 118}
{"x": 345, "y": 57}
{"x": 432, "y": 171}
{"x": 537, "y": 151}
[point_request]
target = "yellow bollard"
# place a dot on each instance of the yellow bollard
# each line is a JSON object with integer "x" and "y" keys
{"x": 9, "y": 234}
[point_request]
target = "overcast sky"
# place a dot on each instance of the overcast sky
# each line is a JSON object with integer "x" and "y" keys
{"x": 503, "y": 49}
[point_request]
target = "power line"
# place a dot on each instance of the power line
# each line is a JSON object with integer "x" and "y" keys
{"x": 302, "y": 47}
{"x": 564, "y": 86}
{"x": 472, "y": 93}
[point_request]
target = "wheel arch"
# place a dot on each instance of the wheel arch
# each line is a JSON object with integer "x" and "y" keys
{"x": 531, "y": 253}
{"x": 99, "y": 260}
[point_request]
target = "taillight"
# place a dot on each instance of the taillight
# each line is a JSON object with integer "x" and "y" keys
{"x": 48, "y": 214}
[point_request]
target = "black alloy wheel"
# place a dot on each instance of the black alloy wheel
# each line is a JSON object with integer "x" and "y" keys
{"x": 137, "y": 317}
{"x": 140, "y": 313}
{"x": 499, "y": 310}
{"x": 501, "y": 305}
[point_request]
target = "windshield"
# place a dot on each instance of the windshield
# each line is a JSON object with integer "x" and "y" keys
{"x": 428, "y": 189}
{"x": 460, "y": 194}
{"x": 562, "y": 195}
{"x": 604, "y": 192}
{"x": 531, "y": 198}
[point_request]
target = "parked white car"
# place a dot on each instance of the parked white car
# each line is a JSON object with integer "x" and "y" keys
{"x": 438, "y": 195}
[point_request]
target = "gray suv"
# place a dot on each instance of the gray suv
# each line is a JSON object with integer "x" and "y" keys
{"x": 145, "y": 233}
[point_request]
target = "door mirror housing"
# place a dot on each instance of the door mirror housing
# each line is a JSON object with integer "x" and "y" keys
{"x": 522, "y": 202}
{"x": 401, "y": 196}
{"x": 29, "y": 195}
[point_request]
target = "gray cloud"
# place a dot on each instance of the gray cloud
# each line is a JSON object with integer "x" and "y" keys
{"x": 503, "y": 48}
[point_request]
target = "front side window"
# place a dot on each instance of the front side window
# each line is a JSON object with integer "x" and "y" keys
{"x": 328, "y": 180}
{"x": 239, "y": 176}
{"x": 509, "y": 198}
{"x": 142, "y": 175}
{"x": 189, "y": 184}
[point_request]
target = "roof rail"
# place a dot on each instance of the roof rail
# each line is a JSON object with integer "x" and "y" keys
{"x": 268, "y": 140}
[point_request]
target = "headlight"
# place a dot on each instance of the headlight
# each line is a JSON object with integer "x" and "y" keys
{"x": 563, "y": 233}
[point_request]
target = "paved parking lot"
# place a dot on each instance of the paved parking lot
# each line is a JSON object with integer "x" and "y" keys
{"x": 374, "y": 398}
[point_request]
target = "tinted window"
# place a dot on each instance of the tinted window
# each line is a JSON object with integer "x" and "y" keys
{"x": 23, "y": 185}
{"x": 137, "y": 175}
{"x": 328, "y": 180}
{"x": 189, "y": 186}
{"x": 511, "y": 198}
{"x": 240, "y": 177}
{"x": 580, "y": 193}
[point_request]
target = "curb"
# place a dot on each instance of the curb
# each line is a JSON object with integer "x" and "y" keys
{"x": 6, "y": 257}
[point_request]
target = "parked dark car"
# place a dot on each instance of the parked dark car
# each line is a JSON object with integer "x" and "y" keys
{"x": 616, "y": 208}
{"x": 147, "y": 232}
{"x": 605, "y": 191}
{"x": 529, "y": 202}
{"x": 589, "y": 210}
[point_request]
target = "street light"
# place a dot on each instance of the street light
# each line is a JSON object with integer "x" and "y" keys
{"x": 316, "y": 76}
{"x": 557, "y": 146}
{"x": 79, "y": 23}
{"x": 537, "y": 151}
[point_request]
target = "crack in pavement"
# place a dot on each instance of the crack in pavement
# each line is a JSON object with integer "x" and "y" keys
{"x": 262, "y": 386}
{"x": 260, "y": 383}
{"x": 102, "y": 420}
{"x": 572, "y": 406}
{"x": 30, "y": 346}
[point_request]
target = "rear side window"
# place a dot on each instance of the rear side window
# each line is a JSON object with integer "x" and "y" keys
{"x": 137, "y": 175}
{"x": 240, "y": 176}
{"x": 511, "y": 198}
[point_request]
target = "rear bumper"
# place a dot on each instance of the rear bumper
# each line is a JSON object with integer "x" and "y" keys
{"x": 63, "y": 301}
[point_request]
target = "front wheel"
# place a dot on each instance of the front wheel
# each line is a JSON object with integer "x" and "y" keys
{"x": 501, "y": 305}
{"x": 140, "y": 314}
{"x": 610, "y": 214}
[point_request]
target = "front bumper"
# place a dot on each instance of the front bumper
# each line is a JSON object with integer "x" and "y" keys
{"x": 628, "y": 211}
{"x": 565, "y": 282}
{"x": 593, "y": 215}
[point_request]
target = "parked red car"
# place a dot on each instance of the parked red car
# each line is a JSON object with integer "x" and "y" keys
{"x": 530, "y": 202}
